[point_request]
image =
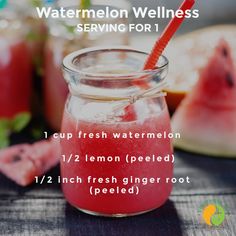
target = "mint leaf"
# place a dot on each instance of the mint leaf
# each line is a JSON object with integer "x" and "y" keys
{"x": 36, "y": 3}
{"x": 20, "y": 121}
{"x": 37, "y": 132}
{"x": 16, "y": 124}
{"x": 70, "y": 29}
{"x": 33, "y": 36}
{"x": 5, "y": 125}
{"x": 4, "y": 139}
{"x": 85, "y": 4}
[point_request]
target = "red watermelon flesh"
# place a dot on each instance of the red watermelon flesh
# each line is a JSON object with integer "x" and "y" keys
{"x": 206, "y": 118}
{"x": 23, "y": 162}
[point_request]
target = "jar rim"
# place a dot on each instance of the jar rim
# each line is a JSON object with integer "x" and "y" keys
{"x": 69, "y": 66}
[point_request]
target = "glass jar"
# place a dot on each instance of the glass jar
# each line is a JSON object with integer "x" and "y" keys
{"x": 110, "y": 95}
{"x": 64, "y": 39}
{"x": 15, "y": 64}
{"x": 37, "y": 30}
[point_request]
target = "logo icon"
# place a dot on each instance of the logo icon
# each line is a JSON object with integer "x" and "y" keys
{"x": 3, "y": 3}
{"x": 213, "y": 214}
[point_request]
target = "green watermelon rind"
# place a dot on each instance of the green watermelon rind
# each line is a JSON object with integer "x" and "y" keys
{"x": 194, "y": 147}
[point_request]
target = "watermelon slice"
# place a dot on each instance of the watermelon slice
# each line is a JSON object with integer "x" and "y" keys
{"x": 23, "y": 162}
{"x": 206, "y": 118}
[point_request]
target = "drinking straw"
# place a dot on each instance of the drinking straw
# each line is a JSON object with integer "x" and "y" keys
{"x": 159, "y": 47}
{"x": 166, "y": 36}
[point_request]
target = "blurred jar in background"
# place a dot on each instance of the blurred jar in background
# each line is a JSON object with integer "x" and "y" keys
{"x": 35, "y": 38}
{"x": 64, "y": 39}
{"x": 37, "y": 33}
{"x": 15, "y": 63}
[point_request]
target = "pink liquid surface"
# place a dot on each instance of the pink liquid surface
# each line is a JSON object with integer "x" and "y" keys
{"x": 15, "y": 78}
{"x": 151, "y": 196}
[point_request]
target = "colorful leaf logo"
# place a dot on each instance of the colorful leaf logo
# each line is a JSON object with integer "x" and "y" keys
{"x": 213, "y": 214}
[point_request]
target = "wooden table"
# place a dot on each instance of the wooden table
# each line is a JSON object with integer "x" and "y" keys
{"x": 42, "y": 210}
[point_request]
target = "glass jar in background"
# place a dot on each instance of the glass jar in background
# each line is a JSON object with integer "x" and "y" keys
{"x": 35, "y": 38}
{"x": 37, "y": 33}
{"x": 62, "y": 40}
{"x": 104, "y": 98}
{"x": 15, "y": 64}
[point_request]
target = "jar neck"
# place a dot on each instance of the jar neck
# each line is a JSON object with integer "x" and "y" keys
{"x": 104, "y": 74}
{"x": 106, "y": 81}
{"x": 128, "y": 94}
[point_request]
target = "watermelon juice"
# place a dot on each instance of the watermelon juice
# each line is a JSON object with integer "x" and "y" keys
{"x": 151, "y": 196}
{"x": 15, "y": 64}
{"x": 15, "y": 77}
{"x": 110, "y": 175}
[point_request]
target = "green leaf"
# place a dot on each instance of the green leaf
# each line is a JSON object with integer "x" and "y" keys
{"x": 36, "y": 3}
{"x": 5, "y": 125}
{"x": 4, "y": 139}
{"x": 70, "y": 29}
{"x": 16, "y": 124}
{"x": 219, "y": 216}
{"x": 20, "y": 121}
{"x": 33, "y": 36}
{"x": 37, "y": 133}
{"x": 85, "y": 4}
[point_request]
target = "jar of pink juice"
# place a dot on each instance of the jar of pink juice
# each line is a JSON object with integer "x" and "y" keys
{"x": 110, "y": 94}
{"x": 63, "y": 39}
{"x": 15, "y": 64}
{"x": 37, "y": 30}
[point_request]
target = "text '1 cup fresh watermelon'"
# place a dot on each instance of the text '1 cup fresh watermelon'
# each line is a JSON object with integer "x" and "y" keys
{"x": 206, "y": 119}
